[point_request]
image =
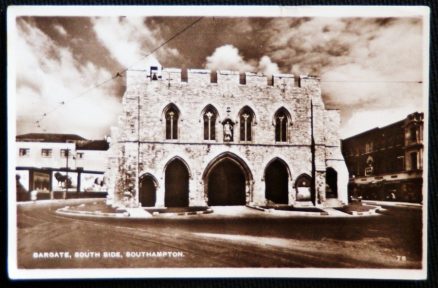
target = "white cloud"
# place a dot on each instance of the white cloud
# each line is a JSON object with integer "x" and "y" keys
{"x": 48, "y": 75}
{"x": 128, "y": 39}
{"x": 61, "y": 30}
{"x": 364, "y": 64}
{"x": 227, "y": 57}
{"x": 267, "y": 67}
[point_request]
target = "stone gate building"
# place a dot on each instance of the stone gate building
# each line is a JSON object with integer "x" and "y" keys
{"x": 201, "y": 138}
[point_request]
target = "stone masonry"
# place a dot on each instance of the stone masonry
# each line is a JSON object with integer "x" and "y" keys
{"x": 139, "y": 145}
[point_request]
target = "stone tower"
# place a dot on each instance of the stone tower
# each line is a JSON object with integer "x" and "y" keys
{"x": 224, "y": 138}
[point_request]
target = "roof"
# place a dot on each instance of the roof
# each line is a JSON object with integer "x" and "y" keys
{"x": 400, "y": 122}
{"x": 93, "y": 145}
{"x": 50, "y": 137}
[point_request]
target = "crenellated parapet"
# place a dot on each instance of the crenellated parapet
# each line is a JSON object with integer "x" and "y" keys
{"x": 203, "y": 77}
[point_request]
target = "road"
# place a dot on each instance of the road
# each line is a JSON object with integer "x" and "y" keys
{"x": 392, "y": 240}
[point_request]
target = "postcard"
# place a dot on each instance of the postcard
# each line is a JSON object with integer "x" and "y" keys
{"x": 217, "y": 141}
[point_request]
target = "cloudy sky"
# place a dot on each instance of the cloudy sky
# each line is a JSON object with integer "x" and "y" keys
{"x": 370, "y": 68}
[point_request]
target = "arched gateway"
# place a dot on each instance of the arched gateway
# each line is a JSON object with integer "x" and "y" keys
{"x": 277, "y": 182}
{"x": 176, "y": 183}
{"x": 227, "y": 179}
{"x": 148, "y": 188}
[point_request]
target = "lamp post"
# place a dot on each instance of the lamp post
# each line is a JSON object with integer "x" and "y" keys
{"x": 312, "y": 149}
{"x": 66, "y": 182}
{"x": 67, "y": 152}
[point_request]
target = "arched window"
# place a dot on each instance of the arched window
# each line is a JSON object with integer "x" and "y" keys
{"x": 210, "y": 116}
{"x": 281, "y": 120}
{"x": 171, "y": 114}
{"x": 246, "y": 118}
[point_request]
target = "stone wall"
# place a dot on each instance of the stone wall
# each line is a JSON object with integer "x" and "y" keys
{"x": 142, "y": 129}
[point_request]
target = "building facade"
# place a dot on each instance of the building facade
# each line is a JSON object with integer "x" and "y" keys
{"x": 387, "y": 163}
{"x": 201, "y": 138}
{"x": 59, "y": 163}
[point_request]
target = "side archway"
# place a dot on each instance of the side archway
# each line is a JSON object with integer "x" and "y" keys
{"x": 148, "y": 185}
{"x": 277, "y": 181}
{"x": 331, "y": 180}
{"x": 176, "y": 183}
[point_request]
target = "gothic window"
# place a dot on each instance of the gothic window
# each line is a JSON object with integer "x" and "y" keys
{"x": 171, "y": 115}
{"x": 281, "y": 119}
{"x": 210, "y": 116}
{"x": 246, "y": 118}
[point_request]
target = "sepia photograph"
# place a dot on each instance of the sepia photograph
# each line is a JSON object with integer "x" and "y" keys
{"x": 217, "y": 141}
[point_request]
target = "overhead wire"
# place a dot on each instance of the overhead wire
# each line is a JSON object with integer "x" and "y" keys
{"x": 121, "y": 72}
{"x": 117, "y": 74}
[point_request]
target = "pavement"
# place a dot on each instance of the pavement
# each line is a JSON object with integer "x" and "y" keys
{"x": 219, "y": 239}
{"x": 392, "y": 204}
{"x": 91, "y": 208}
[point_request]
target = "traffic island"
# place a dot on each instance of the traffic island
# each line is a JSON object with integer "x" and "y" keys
{"x": 359, "y": 209}
{"x": 286, "y": 210}
{"x": 180, "y": 211}
{"x": 101, "y": 209}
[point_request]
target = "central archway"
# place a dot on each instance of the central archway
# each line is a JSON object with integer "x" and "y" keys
{"x": 226, "y": 180}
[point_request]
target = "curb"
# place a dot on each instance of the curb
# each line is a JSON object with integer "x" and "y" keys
{"x": 394, "y": 204}
{"x": 67, "y": 212}
{"x": 54, "y": 201}
{"x": 370, "y": 212}
{"x": 273, "y": 211}
{"x": 189, "y": 213}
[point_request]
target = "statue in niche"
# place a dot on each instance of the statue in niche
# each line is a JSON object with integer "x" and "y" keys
{"x": 228, "y": 130}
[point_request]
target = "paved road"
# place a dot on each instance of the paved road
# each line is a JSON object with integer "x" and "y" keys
{"x": 392, "y": 240}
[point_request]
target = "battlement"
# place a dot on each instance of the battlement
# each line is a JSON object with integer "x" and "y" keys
{"x": 203, "y": 77}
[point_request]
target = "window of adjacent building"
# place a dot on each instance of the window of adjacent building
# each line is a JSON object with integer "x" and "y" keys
{"x": 171, "y": 116}
{"x": 23, "y": 152}
{"x": 413, "y": 134}
{"x": 46, "y": 152}
{"x": 369, "y": 147}
{"x": 246, "y": 118}
{"x": 281, "y": 122}
{"x": 210, "y": 116}
{"x": 414, "y": 161}
{"x": 65, "y": 152}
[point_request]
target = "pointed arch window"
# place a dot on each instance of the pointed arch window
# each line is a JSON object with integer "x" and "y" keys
{"x": 172, "y": 116}
{"x": 281, "y": 120}
{"x": 246, "y": 118}
{"x": 210, "y": 116}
